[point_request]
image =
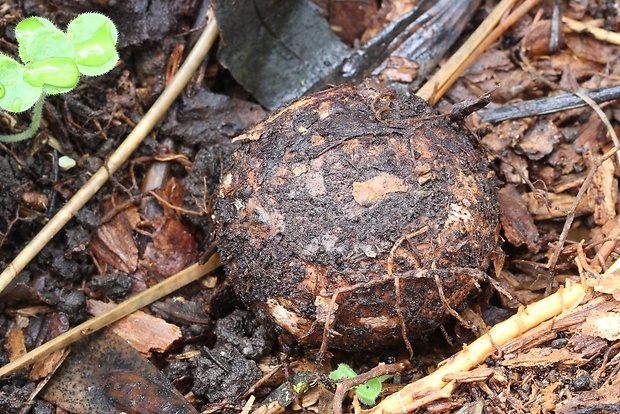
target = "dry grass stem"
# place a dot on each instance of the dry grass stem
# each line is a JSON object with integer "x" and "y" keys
{"x": 472, "y": 355}
{"x": 142, "y": 299}
{"x": 438, "y": 82}
{"x": 597, "y": 32}
{"x": 505, "y": 24}
{"x": 117, "y": 159}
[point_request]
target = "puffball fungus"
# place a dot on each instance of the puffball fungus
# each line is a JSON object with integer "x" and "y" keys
{"x": 360, "y": 207}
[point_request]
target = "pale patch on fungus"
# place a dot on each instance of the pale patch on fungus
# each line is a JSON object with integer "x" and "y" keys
{"x": 314, "y": 183}
{"x": 317, "y": 139}
{"x": 269, "y": 217}
{"x": 459, "y": 212}
{"x": 377, "y": 188}
{"x": 369, "y": 251}
{"x": 226, "y": 181}
{"x": 375, "y": 321}
{"x": 298, "y": 169}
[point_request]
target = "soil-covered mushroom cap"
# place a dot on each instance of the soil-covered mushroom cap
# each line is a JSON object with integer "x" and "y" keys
{"x": 348, "y": 191}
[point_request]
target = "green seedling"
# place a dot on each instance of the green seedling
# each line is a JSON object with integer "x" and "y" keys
{"x": 53, "y": 61}
{"x": 366, "y": 392}
{"x": 303, "y": 386}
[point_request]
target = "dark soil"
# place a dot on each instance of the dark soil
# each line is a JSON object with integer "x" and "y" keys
{"x": 125, "y": 239}
{"x": 88, "y": 124}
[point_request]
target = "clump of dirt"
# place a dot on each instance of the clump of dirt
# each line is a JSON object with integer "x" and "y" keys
{"x": 363, "y": 196}
{"x": 229, "y": 368}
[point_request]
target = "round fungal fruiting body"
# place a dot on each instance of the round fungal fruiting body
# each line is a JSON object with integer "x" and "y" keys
{"x": 349, "y": 192}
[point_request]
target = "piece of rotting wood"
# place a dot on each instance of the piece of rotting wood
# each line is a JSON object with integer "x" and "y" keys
{"x": 547, "y": 105}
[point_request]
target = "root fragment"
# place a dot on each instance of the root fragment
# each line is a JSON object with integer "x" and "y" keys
{"x": 428, "y": 388}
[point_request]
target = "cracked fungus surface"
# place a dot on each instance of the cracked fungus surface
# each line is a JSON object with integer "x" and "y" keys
{"x": 347, "y": 191}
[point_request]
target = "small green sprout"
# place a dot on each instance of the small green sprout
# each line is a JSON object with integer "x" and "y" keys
{"x": 299, "y": 387}
{"x": 366, "y": 392}
{"x": 303, "y": 386}
{"x": 53, "y": 61}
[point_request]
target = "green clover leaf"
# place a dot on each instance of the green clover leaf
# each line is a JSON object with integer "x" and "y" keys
{"x": 53, "y": 61}
{"x": 48, "y": 42}
{"x": 370, "y": 390}
{"x": 16, "y": 95}
{"x": 25, "y": 29}
{"x": 54, "y": 75}
{"x": 366, "y": 392}
{"x": 343, "y": 371}
{"x": 94, "y": 38}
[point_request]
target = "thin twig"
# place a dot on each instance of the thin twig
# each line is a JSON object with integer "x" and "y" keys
{"x": 547, "y": 105}
{"x": 266, "y": 377}
{"x": 445, "y": 303}
{"x": 346, "y": 385}
{"x": 390, "y": 259}
{"x": 602, "y": 116}
{"x": 327, "y": 329}
{"x": 570, "y": 217}
{"x": 475, "y": 353}
{"x": 456, "y": 64}
{"x": 401, "y": 317}
{"x": 119, "y": 311}
{"x": 117, "y": 159}
{"x": 173, "y": 207}
{"x": 580, "y": 94}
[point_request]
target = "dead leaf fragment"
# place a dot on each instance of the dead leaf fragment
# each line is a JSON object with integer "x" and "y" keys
{"x": 44, "y": 367}
{"x": 172, "y": 248}
{"x": 103, "y": 374}
{"x": 603, "y": 324}
{"x": 517, "y": 222}
{"x": 399, "y": 69}
{"x": 606, "y": 284}
{"x": 557, "y": 207}
{"x": 536, "y": 41}
{"x": 15, "y": 344}
{"x": 591, "y": 49}
{"x": 143, "y": 331}
{"x": 114, "y": 242}
{"x": 549, "y": 397}
{"x": 603, "y": 193}
{"x": 539, "y": 140}
{"x": 349, "y": 19}
{"x": 539, "y": 357}
{"x": 375, "y": 189}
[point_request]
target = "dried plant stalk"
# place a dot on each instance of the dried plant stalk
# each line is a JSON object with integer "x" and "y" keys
{"x": 597, "y": 32}
{"x": 142, "y": 299}
{"x": 114, "y": 162}
{"x": 457, "y": 61}
{"x": 404, "y": 401}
